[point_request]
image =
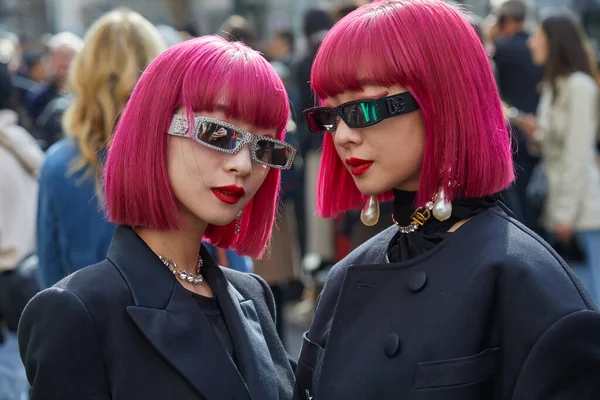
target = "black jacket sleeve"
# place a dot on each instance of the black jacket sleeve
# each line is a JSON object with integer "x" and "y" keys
{"x": 60, "y": 349}
{"x": 565, "y": 361}
{"x": 270, "y": 300}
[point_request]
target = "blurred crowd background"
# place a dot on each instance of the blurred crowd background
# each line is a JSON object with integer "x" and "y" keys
{"x": 63, "y": 85}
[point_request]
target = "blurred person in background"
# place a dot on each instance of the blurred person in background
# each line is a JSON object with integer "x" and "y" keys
{"x": 510, "y": 196}
{"x": 72, "y": 231}
{"x": 316, "y": 23}
{"x": 170, "y": 35}
{"x": 318, "y": 241}
{"x": 196, "y": 155}
{"x": 281, "y": 52}
{"x": 47, "y": 103}
{"x": 37, "y": 66}
{"x": 238, "y": 29}
{"x": 344, "y": 7}
{"x": 518, "y": 77}
{"x": 565, "y": 129}
{"x": 282, "y": 47}
{"x": 33, "y": 73}
{"x": 280, "y": 267}
{"x": 518, "y": 81}
{"x": 20, "y": 159}
{"x": 10, "y": 56}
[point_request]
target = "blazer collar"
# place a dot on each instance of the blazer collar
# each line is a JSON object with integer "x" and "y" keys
{"x": 170, "y": 319}
{"x": 252, "y": 353}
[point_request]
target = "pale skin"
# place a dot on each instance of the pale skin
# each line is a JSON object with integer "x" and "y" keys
{"x": 193, "y": 170}
{"x": 382, "y": 143}
{"x": 395, "y": 145}
{"x": 61, "y": 60}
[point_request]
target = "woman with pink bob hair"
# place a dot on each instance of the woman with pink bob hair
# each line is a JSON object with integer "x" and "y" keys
{"x": 456, "y": 300}
{"x": 196, "y": 155}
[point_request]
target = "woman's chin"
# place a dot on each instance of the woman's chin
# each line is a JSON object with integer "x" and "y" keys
{"x": 372, "y": 190}
{"x": 221, "y": 222}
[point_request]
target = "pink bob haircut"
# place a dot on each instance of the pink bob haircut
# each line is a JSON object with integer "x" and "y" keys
{"x": 430, "y": 48}
{"x": 197, "y": 75}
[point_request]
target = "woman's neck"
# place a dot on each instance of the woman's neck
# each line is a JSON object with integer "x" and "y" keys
{"x": 404, "y": 206}
{"x": 181, "y": 246}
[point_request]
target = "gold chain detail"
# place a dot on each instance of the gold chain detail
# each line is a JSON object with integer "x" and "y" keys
{"x": 420, "y": 216}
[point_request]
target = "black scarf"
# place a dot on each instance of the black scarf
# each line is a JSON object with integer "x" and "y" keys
{"x": 405, "y": 246}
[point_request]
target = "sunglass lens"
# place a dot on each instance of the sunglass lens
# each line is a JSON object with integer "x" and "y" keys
{"x": 218, "y": 135}
{"x": 358, "y": 115}
{"x": 321, "y": 121}
{"x": 271, "y": 153}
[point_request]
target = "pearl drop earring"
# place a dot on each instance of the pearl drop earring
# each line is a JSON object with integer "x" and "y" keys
{"x": 370, "y": 212}
{"x": 442, "y": 209}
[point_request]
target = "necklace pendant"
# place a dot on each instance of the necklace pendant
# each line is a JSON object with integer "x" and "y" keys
{"x": 420, "y": 216}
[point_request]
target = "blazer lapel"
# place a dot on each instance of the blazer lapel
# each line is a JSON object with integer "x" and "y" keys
{"x": 252, "y": 353}
{"x": 170, "y": 319}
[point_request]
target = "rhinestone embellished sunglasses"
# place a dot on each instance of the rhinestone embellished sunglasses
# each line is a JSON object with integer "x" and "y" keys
{"x": 359, "y": 113}
{"x": 227, "y": 138}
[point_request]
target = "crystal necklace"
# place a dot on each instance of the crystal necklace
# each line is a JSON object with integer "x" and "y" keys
{"x": 184, "y": 275}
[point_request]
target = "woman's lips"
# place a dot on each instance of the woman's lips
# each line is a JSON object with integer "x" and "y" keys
{"x": 358, "y": 166}
{"x": 229, "y": 194}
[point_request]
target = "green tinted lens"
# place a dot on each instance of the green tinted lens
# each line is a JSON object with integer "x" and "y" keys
{"x": 358, "y": 115}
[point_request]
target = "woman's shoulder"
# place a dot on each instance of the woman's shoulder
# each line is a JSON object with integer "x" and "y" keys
{"x": 580, "y": 82}
{"x": 500, "y": 236}
{"x": 95, "y": 286}
{"x": 511, "y": 238}
{"x": 524, "y": 261}
{"x": 252, "y": 287}
{"x": 249, "y": 284}
{"x": 58, "y": 159}
{"x": 373, "y": 251}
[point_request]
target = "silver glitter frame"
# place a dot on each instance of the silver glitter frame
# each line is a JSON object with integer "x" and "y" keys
{"x": 179, "y": 127}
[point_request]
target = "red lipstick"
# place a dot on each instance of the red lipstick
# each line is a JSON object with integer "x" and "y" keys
{"x": 358, "y": 166}
{"x": 229, "y": 194}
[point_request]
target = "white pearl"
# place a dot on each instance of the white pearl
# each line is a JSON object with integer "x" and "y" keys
{"x": 442, "y": 209}
{"x": 370, "y": 212}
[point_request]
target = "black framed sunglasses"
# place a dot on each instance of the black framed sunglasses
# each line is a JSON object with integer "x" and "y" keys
{"x": 224, "y": 137}
{"x": 359, "y": 113}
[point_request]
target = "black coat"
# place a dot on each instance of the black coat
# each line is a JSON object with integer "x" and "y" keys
{"x": 126, "y": 329}
{"x": 492, "y": 313}
{"x": 518, "y": 76}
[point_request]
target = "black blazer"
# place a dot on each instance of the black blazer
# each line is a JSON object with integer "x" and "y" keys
{"x": 492, "y": 313}
{"x": 125, "y": 329}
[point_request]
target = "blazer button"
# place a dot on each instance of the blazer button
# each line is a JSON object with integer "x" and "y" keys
{"x": 392, "y": 345}
{"x": 417, "y": 281}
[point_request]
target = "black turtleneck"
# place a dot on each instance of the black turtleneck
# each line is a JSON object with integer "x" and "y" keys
{"x": 405, "y": 246}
